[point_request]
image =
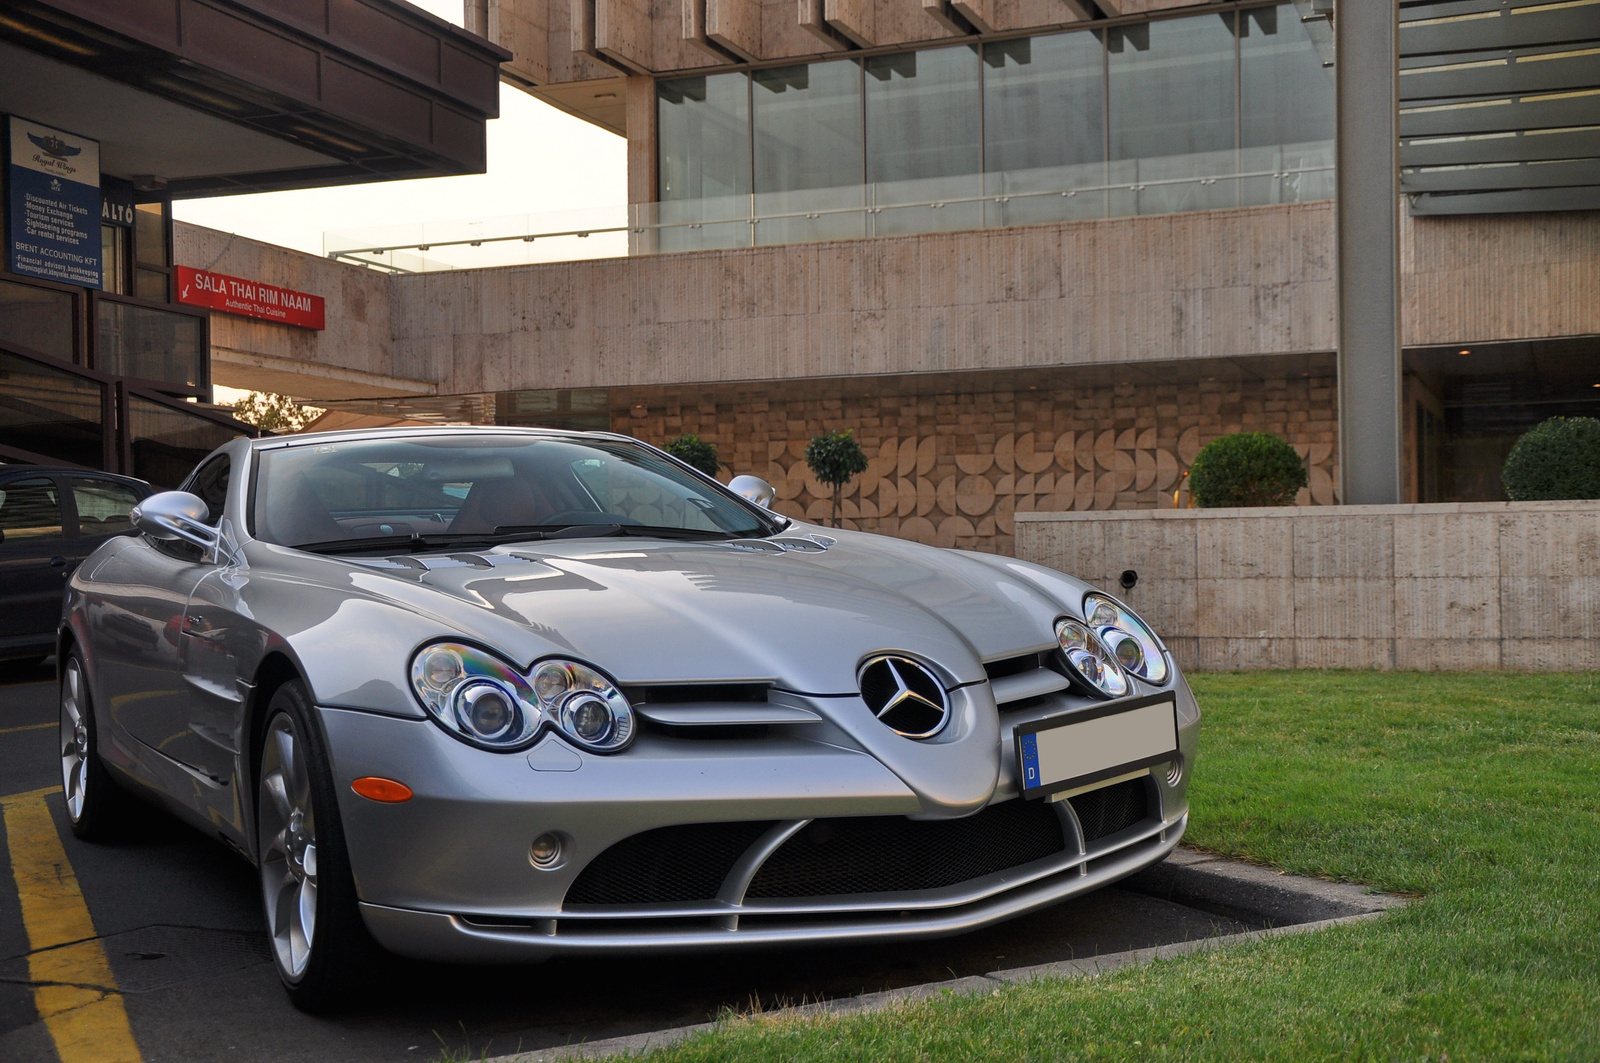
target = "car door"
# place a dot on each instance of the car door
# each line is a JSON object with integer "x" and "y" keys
{"x": 137, "y": 623}
{"x": 101, "y": 506}
{"x": 33, "y": 562}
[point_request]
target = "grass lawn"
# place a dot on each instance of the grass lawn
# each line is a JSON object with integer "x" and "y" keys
{"x": 1477, "y": 792}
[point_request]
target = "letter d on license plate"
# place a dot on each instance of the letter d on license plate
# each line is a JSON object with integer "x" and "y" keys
{"x": 1087, "y": 746}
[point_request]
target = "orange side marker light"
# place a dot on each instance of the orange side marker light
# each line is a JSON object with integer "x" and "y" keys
{"x": 386, "y": 790}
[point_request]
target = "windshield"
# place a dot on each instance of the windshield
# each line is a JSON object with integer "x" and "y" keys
{"x": 442, "y": 490}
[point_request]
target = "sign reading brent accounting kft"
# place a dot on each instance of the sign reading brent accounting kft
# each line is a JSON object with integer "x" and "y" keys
{"x": 235, "y": 295}
{"x": 53, "y": 216}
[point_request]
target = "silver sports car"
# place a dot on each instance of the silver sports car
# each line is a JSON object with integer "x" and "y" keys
{"x": 495, "y": 694}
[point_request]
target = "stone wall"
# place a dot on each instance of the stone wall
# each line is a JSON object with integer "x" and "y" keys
{"x": 1473, "y": 585}
{"x": 953, "y": 459}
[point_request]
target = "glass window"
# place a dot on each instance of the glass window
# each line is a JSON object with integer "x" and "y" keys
{"x": 51, "y": 411}
{"x": 167, "y": 441}
{"x": 1285, "y": 95}
{"x": 1172, "y": 87}
{"x": 38, "y": 319}
{"x": 150, "y": 234}
{"x": 704, "y": 135}
{"x": 30, "y": 509}
{"x": 148, "y": 343}
{"x": 113, "y": 259}
{"x": 808, "y": 126}
{"x": 922, "y": 114}
{"x": 210, "y": 484}
{"x": 1044, "y": 102}
{"x": 103, "y": 505}
{"x": 486, "y": 486}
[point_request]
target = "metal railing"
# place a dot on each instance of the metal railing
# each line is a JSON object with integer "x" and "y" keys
{"x": 1295, "y": 173}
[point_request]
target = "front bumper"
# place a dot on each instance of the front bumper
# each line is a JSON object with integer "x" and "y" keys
{"x": 447, "y": 875}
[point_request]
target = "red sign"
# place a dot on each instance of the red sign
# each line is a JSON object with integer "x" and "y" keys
{"x": 235, "y": 295}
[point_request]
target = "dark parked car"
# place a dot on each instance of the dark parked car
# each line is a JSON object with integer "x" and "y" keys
{"x": 51, "y": 519}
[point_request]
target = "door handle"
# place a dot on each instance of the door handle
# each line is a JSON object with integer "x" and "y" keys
{"x": 58, "y": 562}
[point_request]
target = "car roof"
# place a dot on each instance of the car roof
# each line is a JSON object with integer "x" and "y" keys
{"x": 12, "y": 470}
{"x": 432, "y": 431}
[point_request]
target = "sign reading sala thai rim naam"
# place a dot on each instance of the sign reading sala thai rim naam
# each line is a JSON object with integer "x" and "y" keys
{"x": 247, "y": 298}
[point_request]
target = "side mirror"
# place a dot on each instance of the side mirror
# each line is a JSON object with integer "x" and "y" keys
{"x": 175, "y": 515}
{"x": 755, "y": 489}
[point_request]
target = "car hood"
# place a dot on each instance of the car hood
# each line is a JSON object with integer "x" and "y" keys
{"x": 650, "y": 611}
{"x": 653, "y": 611}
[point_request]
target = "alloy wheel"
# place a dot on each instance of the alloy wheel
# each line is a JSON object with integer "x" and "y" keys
{"x": 75, "y": 750}
{"x": 288, "y": 847}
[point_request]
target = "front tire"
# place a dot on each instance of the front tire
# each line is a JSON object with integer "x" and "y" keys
{"x": 91, "y": 795}
{"x": 320, "y": 945}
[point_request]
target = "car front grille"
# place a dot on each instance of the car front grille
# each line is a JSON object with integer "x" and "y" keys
{"x": 1110, "y": 809}
{"x": 886, "y": 854}
{"x": 682, "y": 863}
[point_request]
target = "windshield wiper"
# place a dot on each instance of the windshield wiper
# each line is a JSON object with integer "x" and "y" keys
{"x": 414, "y": 543}
{"x": 602, "y": 531}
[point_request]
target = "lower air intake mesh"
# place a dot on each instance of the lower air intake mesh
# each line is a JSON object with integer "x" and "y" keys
{"x": 883, "y": 854}
{"x": 1104, "y": 812}
{"x": 682, "y": 863}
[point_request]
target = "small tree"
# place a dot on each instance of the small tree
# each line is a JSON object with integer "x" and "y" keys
{"x": 835, "y": 458}
{"x": 692, "y": 450}
{"x": 1246, "y": 469}
{"x": 274, "y": 413}
{"x": 1557, "y": 459}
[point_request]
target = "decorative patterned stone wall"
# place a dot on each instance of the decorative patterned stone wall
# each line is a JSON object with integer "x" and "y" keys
{"x": 952, "y": 465}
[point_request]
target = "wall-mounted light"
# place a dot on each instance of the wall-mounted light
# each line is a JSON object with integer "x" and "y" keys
{"x": 1464, "y": 350}
{"x": 639, "y": 411}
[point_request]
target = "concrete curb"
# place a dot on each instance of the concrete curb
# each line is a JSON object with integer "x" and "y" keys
{"x": 1200, "y": 879}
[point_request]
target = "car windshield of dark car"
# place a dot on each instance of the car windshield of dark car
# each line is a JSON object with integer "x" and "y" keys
{"x": 437, "y": 490}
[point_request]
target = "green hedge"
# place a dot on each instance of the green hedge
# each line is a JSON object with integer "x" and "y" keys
{"x": 1557, "y": 459}
{"x": 1246, "y": 469}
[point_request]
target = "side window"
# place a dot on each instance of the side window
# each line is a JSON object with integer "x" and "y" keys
{"x": 210, "y": 482}
{"x": 103, "y": 506}
{"x": 30, "y": 509}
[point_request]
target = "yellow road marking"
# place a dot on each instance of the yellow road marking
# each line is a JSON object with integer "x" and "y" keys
{"x": 74, "y": 990}
{"x": 29, "y": 727}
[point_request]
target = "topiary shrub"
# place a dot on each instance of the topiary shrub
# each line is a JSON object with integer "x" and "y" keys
{"x": 1246, "y": 469}
{"x": 1559, "y": 458}
{"x": 694, "y": 451}
{"x": 835, "y": 458}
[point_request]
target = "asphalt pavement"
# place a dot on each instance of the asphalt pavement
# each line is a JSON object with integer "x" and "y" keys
{"x": 178, "y": 919}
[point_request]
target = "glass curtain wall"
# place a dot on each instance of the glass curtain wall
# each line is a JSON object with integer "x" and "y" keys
{"x": 1283, "y": 132}
{"x": 924, "y": 135}
{"x": 1193, "y": 113}
{"x": 703, "y": 128}
{"x": 1044, "y": 128}
{"x": 808, "y": 152}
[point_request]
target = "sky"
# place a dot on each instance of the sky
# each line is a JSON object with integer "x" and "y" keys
{"x": 541, "y": 160}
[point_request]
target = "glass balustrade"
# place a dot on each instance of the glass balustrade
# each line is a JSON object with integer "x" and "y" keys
{"x": 52, "y": 413}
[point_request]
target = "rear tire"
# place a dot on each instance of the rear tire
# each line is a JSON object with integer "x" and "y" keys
{"x": 92, "y": 798}
{"x": 320, "y": 944}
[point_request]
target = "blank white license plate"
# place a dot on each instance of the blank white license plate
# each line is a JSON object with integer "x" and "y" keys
{"x": 1088, "y": 746}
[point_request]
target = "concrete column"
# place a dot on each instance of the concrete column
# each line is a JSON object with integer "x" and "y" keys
{"x": 639, "y": 99}
{"x": 1366, "y": 78}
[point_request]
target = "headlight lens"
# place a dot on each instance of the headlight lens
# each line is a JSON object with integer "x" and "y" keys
{"x": 1128, "y": 638}
{"x": 1090, "y": 659}
{"x": 584, "y": 704}
{"x": 486, "y": 702}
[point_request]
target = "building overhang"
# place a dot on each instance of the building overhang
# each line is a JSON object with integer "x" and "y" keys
{"x": 208, "y": 97}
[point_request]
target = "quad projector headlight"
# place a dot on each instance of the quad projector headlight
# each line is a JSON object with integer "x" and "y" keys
{"x": 487, "y": 703}
{"x": 1129, "y": 639}
{"x": 1091, "y": 662}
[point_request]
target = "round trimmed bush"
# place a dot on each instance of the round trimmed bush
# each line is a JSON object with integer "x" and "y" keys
{"x": 1246, "y": 469}
{"x": 1559, "y": 458}
{"x": 695, "y": 452}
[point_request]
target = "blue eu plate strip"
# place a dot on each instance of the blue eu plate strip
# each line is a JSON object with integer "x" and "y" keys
{"x": 1030, "y": 762}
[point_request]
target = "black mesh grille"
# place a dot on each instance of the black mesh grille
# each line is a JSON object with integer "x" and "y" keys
{"x": 1104, "y": 812}
{"x": 683, "y": 863}
{"x": 882, "y": 854}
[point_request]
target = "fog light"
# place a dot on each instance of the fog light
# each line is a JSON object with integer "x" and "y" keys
{"x": 545, "y": 852}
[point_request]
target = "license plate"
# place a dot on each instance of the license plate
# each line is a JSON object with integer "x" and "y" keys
{"x": 1080, "y": 748}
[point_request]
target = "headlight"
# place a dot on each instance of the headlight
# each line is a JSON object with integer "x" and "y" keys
{"x": 486, "y": 702}
{"x": 1090, "y": 660}
{"x": 1129, "y": 639}
{"x": 584, "y": 704}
